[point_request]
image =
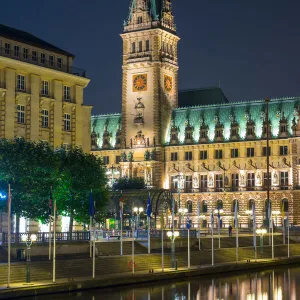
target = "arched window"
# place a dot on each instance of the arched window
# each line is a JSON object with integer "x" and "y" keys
{"x": 147, "y": 45}
{"x": 219, "y": 204}
{"x": 133, "y": 49}
{"x": 233, "y": 205}
{"x": 189, "y": 206}
{"x": 285, "y": 205}
{"x": 251, "y": 203}
{"x": 204, "y": 206}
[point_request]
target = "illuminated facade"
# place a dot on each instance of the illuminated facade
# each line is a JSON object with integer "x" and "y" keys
{"x": 208, "y": 151}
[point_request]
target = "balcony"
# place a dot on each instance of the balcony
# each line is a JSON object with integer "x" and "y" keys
{"x": 36, "y": 60}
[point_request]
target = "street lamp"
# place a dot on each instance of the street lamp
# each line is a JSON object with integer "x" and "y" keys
{"x": 249, "y": 213}
{"x": 276, "y": 213}
{"x": 261, "y": 232}
{"x": 28, "y": 240}
{"x": 182, "y": 211}
{"x": 172, "y": 235}
{"x": 218, "y": 212}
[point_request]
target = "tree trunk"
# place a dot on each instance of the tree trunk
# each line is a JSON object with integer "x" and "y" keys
{"x": 71, "y": 225}
{"x": 17, "y": 229}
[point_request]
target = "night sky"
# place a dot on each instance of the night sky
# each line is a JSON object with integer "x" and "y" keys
{"x": 251, "y": 47}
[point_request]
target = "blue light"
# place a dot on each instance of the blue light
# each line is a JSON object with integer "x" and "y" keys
{"x": 2, "y": 196}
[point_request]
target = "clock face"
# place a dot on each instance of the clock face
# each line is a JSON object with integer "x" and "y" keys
{"x": 140, "y": 83}
{"x": 168, "y": 83}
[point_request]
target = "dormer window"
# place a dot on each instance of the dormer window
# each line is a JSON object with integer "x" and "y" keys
{"x": 188, "y": 138}
{"x": 174, "y": 134}
{"x": 140, "y": 20}
{"x": 250, "y": 129}
{"x": 283, "y": 126}
{"x": 234, "y": 130}
{"x": 219, "y": 131}
{"x": 266, "y": 128}
{"x": 203, "y": 133}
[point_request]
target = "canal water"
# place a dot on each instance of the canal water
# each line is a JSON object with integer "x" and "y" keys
{"x": 274, "y": 284}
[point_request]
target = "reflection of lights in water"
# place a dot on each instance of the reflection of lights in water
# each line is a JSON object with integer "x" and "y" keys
{"x": 278, "y": 294}
{"x": 180, "y": 297}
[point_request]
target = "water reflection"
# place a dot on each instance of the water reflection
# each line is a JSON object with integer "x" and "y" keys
{"x": 276, "y": 284}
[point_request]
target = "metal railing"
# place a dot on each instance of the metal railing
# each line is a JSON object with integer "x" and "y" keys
{"x": 36, "y": 60}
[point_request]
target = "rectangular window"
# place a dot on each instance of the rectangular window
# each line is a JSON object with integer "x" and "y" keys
{"x": 67, "y": 93}
{"x": 218, "y": 154}
{"x": 203, "y": 154}
{"x": 235, "y": 181}
{"x": 67, "y": 122}
{"x": 21, "y": 114}
{"x": 284, "y": 180}
{"x": 174, "y": 183}
{"x": 34, "y": 56}
{"x": 140, "y": 46}
{"x": 234, "y": 153}
{"x": 106, "y": 160}
{"x": 59, "y": 62}
{"x": 219, "y": 182}
{"x": 174, "y": 156}
{"x": 147, "y": 45}
{"x": 284, "y": 150}
{"x": 203, "y": 183}
{"x": 51, "y": 60}
{"x": 21, "y": 83}
{"x": 266, "y": 179}
{"x": 133, "y": 47}
{"x": 250, "y": 181}
{"x": 17, "y": 51}
{"x": 7, "y": 48}
{"x": 45, "y": 88}
{"x": 250, "y": 152}
{"x": 43, "y": 58}
{"x": 265, "y": 151}
{"x": 188, "y": 184}
{"x": 189, "y": 155}
{"x": 118, "y": 159}
{"x": 25, "y": 53}
{"x": 45, "y": 118}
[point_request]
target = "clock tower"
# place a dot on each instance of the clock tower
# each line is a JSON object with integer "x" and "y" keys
{"x": 150, "y": 73}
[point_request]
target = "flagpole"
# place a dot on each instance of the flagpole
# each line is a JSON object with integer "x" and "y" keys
{"x": 132, "y": 250}
{"x": 9, "y": 236}
{"x": 199, "y": 230}
{"x": 50, "y": 231}
{"x": 272, "y": 235}
{"x": 121, "y": 220}
{"x": 162, "y": 249}
{"x": 189, "y": 254}
{"x": 149, "y": 225}
{"x": 237, "y": 230}
{"x": 149, "y": 222}
{"x": 254, "y": 230}
{"x": 212, "y": 237}
{"x": 91, "y": 224}
{"x": 288, "y": 229}
{"x": 54, "y": 244}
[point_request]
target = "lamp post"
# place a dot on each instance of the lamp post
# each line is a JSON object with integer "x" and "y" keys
{"x": 218, "y": 213}
{"x": 261, "y": 232}
{"x": 172, "y": 235}
{"x": 169, "y": 221}
{"x": 182, "y": 211}
{"x": 249, "y": 213}
{"x": 138, "y": 211}
{"x": 178, "y": 180}
{"x": 28, "y": 240}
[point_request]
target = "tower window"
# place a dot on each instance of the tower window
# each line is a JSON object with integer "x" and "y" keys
{"x": 140, "y": 20}
{"x": 140, "y": 46}
{"x": 147, "y": 45}
{"x": 133, "y": 47}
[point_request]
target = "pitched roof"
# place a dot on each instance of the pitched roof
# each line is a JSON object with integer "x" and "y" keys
{"x": 204, "y": 96}
{"x": 30, "y": 39}
{"x": 155, "y": 8}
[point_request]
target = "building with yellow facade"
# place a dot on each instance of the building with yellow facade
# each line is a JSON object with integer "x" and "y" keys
{"x": 196, "y": 143}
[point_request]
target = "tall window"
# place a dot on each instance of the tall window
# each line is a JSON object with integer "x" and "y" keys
{"x": 189, "y": 155}
{"x": 147, "y": 45}
{"x": 266, "y": 179}
{"x": 174, "y": 183}
{"x": 284, "y": 180}
{"x": 234, "y": 153}
{"x": 285, "y": 204}
{"x": 67, "y": 122}
{"x": 133, "y": 49}
{"x": 204, "y": 206}
{"x": 219, "y": 182}
{"x": 250, "y": 152}
{"x": 203, "y": 183}
{"x": 140, "y": 20}
{"x": 7, "y": 48}
{"x": 21, "y": 83}
{"x": 45, "y": 87}
{"x": 265, "y": 151}
{"x": 106, "y": 160}
{"x": 140, "y": 46}
{"x": 218, "y": 154}
{"x": 250, "y": 130}
{"x": 219, "y": 204}
{"x": 34, "y": 56}
{"x": 235, "y": 181}
{"x": 43, "y": 58}
{"x": 189, "y": 207}
{"x": 67, "y": 93}
{"x": 51, "y": 60}
{"x": 118, "y": 159}
{"x": 45, "y": 118}
{"x": 21, "y": 114}
{"x": 250, "y": 181}
{"x": 283, "y": 128}
{"x": 17, "y": 51}
{"x": 188, "y": 183}
{"x": 284, "y": 150}
{"x": 174, "y": 156}
{"x": 203, "y": 154}
{"x": 25, "y": 53}
{"x": 59, "y": 62}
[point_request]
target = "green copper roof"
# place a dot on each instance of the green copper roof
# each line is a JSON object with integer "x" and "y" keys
{"x": 204, "y": 96}
{"x": 155, "y": 8}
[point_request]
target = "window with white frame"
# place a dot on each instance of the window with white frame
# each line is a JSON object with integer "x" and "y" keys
{"x": 250, "y": 181}
{"x": 203, "y": 183}
{"x": 284, "y": 180}
{"x": 45, "y": 88}
{"x": 67, "y": 122}
{"x": 21, "y": 114}
{"x": 7, "y": 48}
{"x": 67, "y": 93}
{"x": 51, "y": 60}
{"x": 59, "y": 62}
{"x": 45, "y": 118}
{"x": 21, "y": 82}
{"x": 17, "y": 51}
{"x": 219, "y": 182}
{"x": 25, "y": 53}
{"x": 43, "y": 58}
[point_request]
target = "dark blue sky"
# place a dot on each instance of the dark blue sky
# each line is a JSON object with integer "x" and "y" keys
{"x": 251, "y": 47}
